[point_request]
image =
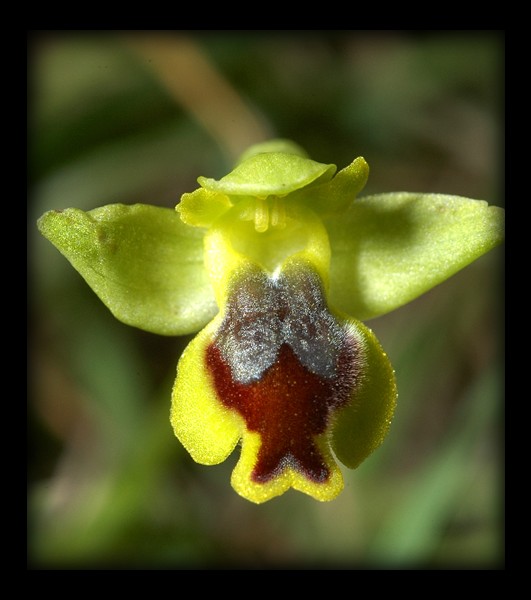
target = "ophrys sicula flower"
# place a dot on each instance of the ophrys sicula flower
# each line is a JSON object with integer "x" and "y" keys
{"x": 275, "y": 265}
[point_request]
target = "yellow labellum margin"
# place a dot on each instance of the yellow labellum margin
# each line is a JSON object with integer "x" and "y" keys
{"x": 277, "y": 368}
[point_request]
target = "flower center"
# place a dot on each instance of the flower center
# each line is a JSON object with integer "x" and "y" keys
{"x": 269, "y": 212}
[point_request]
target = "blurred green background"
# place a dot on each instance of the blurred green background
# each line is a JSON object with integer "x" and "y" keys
{"x": 137, "y": 117}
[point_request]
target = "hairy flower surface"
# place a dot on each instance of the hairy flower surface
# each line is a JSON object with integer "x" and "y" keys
{"x": 276, "y": 264}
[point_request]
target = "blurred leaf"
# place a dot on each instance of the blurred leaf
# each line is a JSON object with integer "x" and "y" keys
{"x": 410, "y": 535}
{"x": 123, "y": 171}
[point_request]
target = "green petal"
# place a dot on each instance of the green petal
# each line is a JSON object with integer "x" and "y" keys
{"x": 271, "y": 173}
{"x": 390, "y": 248}
{"x": 142, "y": 261}
{"x": 337, "y": 194}
{"x": 202, "y": 207}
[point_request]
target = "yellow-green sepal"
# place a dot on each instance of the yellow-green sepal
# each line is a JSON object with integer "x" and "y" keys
{"x": 388, "y": 249}
{"x": 142, "y": 261}
{"x": 270, "y": 174}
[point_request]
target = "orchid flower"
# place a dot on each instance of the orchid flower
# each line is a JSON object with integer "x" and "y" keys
{"x": 276, "y": 265}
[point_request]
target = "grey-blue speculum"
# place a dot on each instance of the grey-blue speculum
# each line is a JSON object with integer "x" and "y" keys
{"x": 266, "y": 311}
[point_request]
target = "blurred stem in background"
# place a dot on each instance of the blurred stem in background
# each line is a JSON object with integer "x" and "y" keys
{"x": 136, "y": 117}
{"x": 196, "y": 85}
